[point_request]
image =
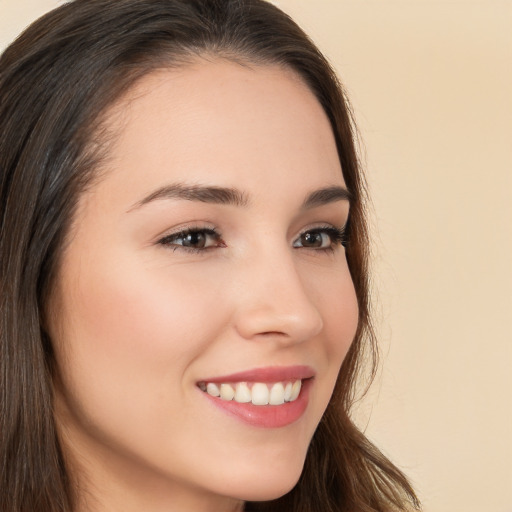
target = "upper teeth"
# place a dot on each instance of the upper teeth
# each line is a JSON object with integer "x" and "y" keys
{"x": 258, "y": 393}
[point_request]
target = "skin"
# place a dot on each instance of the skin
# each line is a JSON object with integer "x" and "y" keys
{"x": 136, "y": 323}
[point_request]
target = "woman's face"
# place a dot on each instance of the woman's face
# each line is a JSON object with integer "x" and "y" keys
{"x": 206, "y": 257}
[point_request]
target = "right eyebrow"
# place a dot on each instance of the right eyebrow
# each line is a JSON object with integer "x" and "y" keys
{"x": 202, "y": 193}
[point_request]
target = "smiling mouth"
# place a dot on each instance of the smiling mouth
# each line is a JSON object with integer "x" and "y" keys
{"x": 269, "y": 397}
{"x": 257, "y": 393}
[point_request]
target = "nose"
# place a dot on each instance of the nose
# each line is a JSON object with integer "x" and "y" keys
{"x": 273, "y": 302}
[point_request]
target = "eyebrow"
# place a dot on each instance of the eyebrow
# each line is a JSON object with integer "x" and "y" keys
{"x": 326, "y": 195}
{"x": 204, "y": 194}
{"x": 235, "y": 197}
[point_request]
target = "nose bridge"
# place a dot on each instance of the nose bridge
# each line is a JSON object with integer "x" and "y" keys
{"x": 274, "y": 300}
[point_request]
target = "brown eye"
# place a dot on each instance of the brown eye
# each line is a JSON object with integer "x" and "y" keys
{"x": 315, "y": 239}
{"x": 320, "y": 238}
{"x": 196, "y": 239}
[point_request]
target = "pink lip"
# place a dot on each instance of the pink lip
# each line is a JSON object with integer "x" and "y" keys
{"x": 266, "y": 375}
{"x": 266, "y": 416}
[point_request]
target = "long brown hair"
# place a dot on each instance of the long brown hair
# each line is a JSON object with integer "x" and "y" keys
{"x": 56, "y": 80}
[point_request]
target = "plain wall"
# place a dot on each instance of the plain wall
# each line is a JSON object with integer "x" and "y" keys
{"x": 430, "y": 83}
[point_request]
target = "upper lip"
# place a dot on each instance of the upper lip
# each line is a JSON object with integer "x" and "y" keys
{"x": 266, "y": 374}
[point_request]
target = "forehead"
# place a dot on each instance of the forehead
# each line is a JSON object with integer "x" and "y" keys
{"x": 221, "y": 123}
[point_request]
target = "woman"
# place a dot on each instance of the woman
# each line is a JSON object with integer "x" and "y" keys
{"x": 183, "y": 266}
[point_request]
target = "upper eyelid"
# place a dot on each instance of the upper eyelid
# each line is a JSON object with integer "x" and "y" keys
{"x": 324, "y": 227}
{"x": 185, "y": 231}
{"x": 321, "y": 227}
{"x": 181, "y": 230}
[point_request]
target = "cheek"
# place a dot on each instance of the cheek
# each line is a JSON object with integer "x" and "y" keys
{"x": 126, "y": 342}
{"x": 127, "y": 338}
{"x": 341, "y": 312}
{"x": 139, "y": 314}
{"x": 335, "y": 297}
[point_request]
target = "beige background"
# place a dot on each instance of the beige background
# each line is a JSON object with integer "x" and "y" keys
{"x": 430, "y": 82}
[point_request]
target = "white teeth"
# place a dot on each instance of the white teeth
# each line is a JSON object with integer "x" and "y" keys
{"x": 276, "y": 394}
{"x": 212, "y": 389}
{"x": 288, "y": 391}
{"x": 259, "y": 393}
{"x": 295, "y": 390}
{"x": 227, "y": 392}
{"x": 242, "y": 393}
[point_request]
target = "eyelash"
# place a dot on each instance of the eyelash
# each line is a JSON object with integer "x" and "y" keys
{"x": 336, "y": 235}
{"x": 211, "y": 232}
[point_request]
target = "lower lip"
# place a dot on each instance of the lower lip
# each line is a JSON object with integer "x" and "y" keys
{"x": 266, "y": 416}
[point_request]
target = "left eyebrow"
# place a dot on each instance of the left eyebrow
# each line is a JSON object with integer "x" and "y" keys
{"x": 325, "y": 196}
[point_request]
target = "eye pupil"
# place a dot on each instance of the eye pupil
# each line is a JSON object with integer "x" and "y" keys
{"x": 194, "y": 239}
{"x": 312, "y": 239}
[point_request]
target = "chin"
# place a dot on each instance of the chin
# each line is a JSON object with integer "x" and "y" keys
{"x": 267, "y": 485}
{"x": 271, "y": 492}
